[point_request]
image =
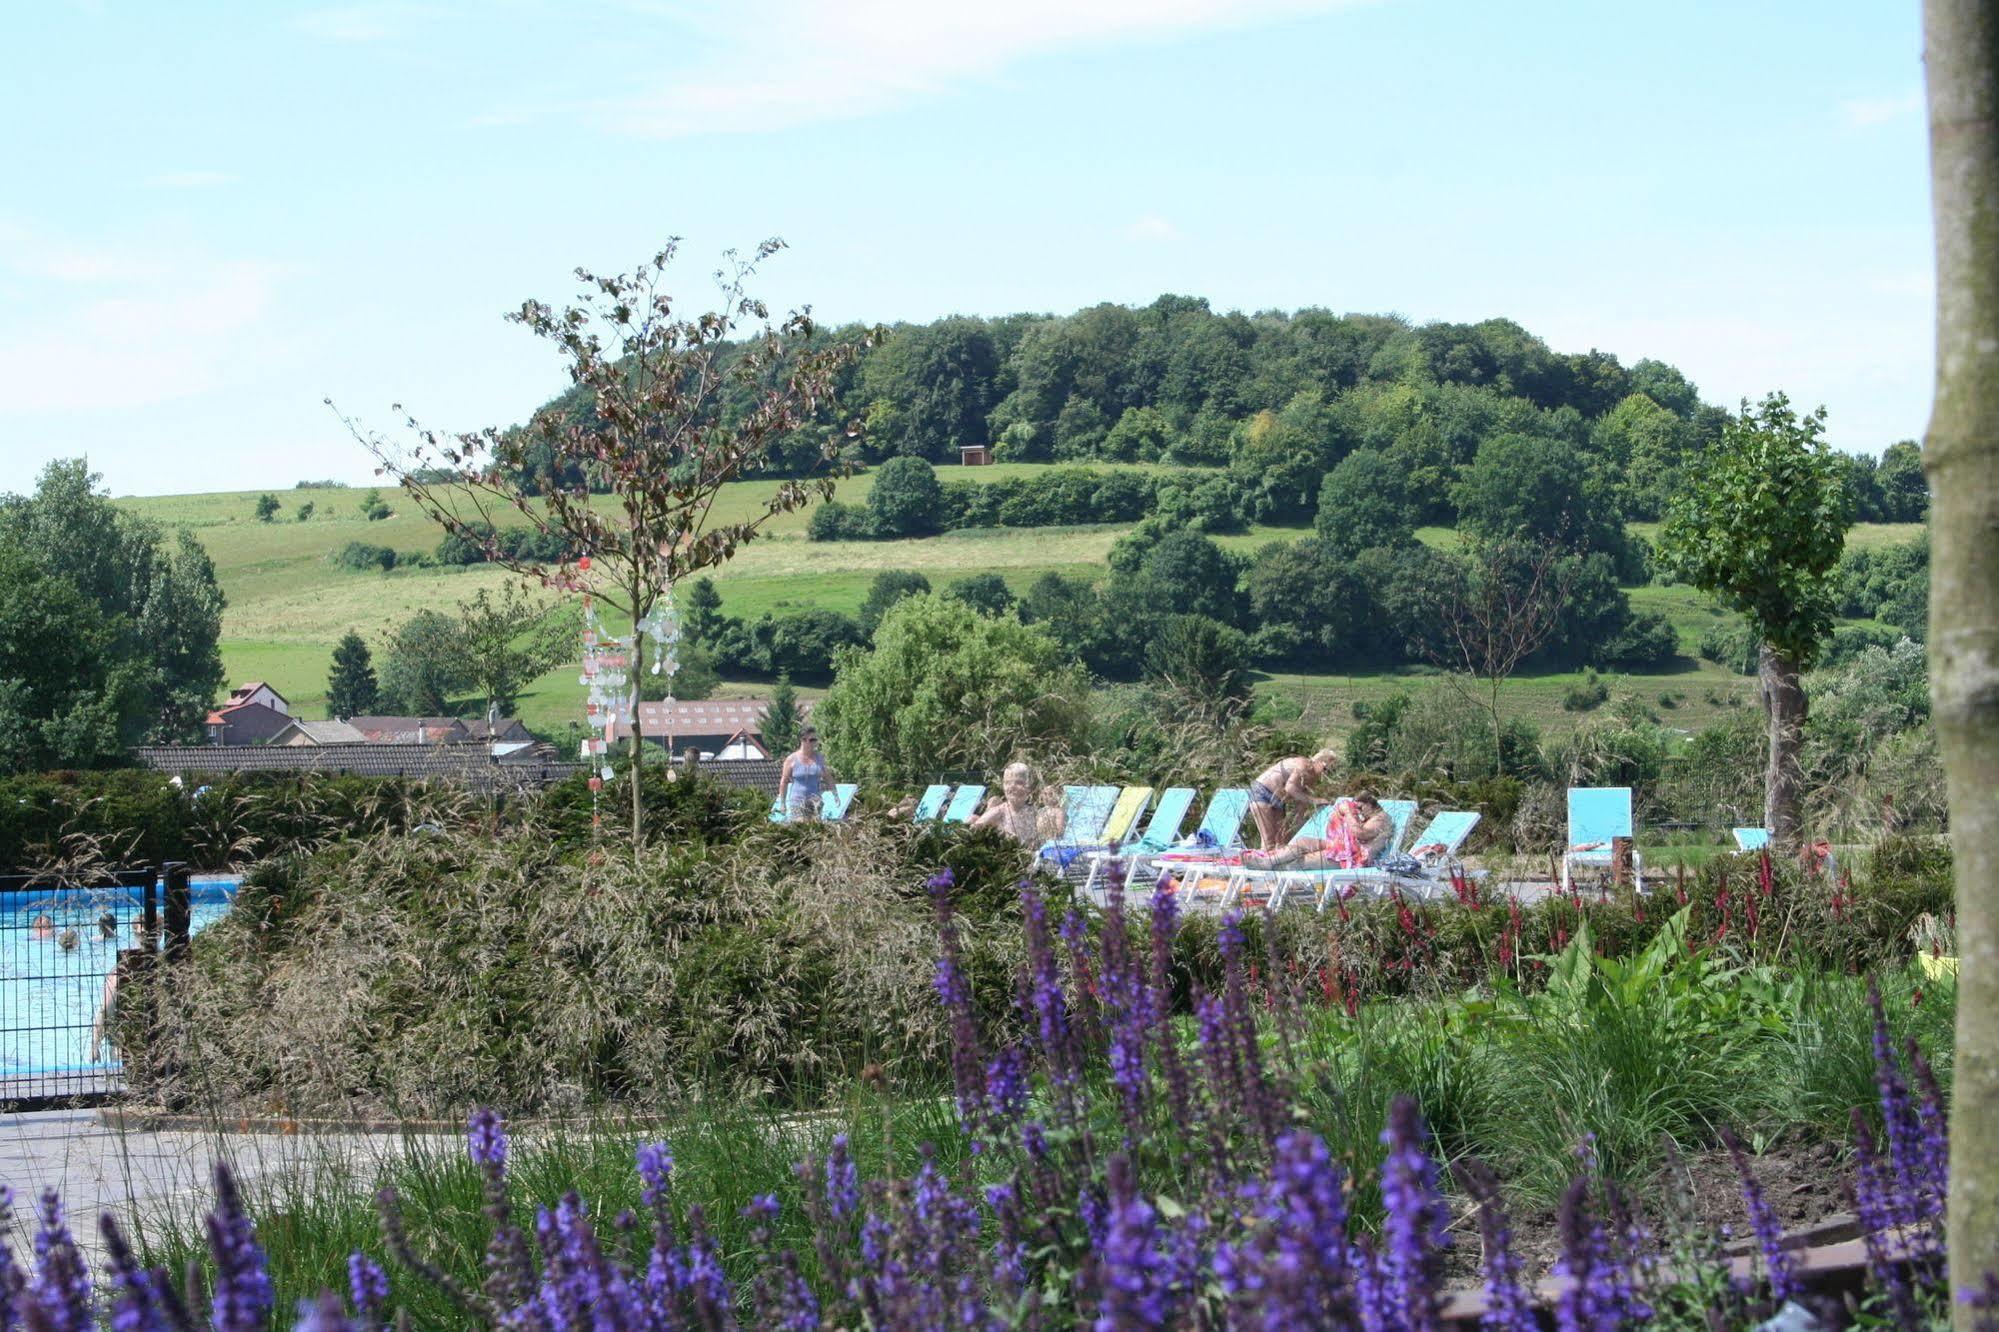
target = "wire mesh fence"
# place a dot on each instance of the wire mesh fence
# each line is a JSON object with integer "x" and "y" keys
{"x": 65, "y": 950}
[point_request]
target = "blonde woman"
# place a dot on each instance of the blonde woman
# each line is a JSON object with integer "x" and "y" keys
{"x": 1014, "y": 813}
{"x": 803, "y": 778}
{"x": 1285, "y": 784}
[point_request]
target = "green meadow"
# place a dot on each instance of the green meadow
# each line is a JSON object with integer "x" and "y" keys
{"x": 289, "y": 602}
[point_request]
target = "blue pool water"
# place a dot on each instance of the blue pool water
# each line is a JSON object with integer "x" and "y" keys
{"x": 49, "y": 995}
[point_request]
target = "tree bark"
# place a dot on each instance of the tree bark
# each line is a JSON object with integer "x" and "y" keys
{"x": 1961, "y": 456}
{"x": 1783, "y": 691}
{"x": 638, "y": 740}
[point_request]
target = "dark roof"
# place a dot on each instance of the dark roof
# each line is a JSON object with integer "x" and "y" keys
{"x": 757, "y": 774}
{"x": 466, "y": 763}
{"x": 410, "y": 730}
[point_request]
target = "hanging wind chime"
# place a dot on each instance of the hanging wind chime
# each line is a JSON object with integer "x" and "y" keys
{"x": 611, "y": 684}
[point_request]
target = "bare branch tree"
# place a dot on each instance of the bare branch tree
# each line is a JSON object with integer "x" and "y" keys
{"x": 675, "y": 407}
{"x": 1500, "y": 605}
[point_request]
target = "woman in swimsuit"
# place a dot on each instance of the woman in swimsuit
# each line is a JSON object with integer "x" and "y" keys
{"x": 1014, "y": 813}
{"x": 802, "y": 778}
{"x": 1359, "y": 833}
{"x": 1285, "y": 783}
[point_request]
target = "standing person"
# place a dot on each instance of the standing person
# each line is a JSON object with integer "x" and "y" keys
{"x": 1282, "y": 785}
{"x": 1053, "y": 820}
{"x": 1014, "y": 812}
{"x": 802, "y": 778}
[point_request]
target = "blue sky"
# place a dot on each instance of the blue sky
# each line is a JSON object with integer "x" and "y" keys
{"x": 213, "y": 216}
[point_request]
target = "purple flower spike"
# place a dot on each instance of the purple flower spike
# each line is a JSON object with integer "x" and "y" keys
{"x": 942, "y": 881}
{"x": 1415, "y": 1229}
{"x": 655, "y": 1161}
{"x": 367, "y": 1283}
{"x": 486, "y": 1140}
{"x": 843, "y": 1189}
{"x": 1779, "y": 1263}
{"x": 1507, "y": 1306}
{"x": 61, "y": 1290}
{"x": 1133, "y": 1273}
{"x": 243, "y": 1294}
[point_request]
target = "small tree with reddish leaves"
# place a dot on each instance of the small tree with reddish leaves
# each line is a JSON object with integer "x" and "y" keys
{"x": 675, "y": 407}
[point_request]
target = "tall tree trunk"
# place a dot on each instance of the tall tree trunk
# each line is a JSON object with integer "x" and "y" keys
{"x": 638, "y": 665}
{"x": 1783, "y": 692}
{"x": 1961, "y": 455}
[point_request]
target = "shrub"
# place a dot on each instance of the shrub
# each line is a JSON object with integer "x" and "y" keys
{"x": 361, "y": 555}
{"x": 1586, "y": 695}
{"x": 835, "y": 521}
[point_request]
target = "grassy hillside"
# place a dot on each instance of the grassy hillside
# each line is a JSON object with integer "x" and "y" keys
{"x": 289, "y": 603}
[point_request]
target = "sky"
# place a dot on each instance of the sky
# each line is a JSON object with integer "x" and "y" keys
{"x": 214, "y": 217}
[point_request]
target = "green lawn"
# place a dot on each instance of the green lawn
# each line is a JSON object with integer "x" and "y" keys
{"x": 289, "y": 603}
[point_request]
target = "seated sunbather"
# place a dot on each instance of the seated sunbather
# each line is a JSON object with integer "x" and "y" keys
{"x": 1358, "y": 834}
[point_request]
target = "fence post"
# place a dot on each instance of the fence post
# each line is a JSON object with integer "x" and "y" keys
{"x": 179, "y": 910}
{"x": 149, "y": 908}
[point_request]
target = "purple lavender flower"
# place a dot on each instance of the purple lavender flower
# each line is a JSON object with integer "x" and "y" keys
{"x": 1006, "y": 1086}
{"x": 368, "y": 1284}
{"x": 135, "y": 1293}
{"x": 1780, "y": 1265}
{"x": 1252, "y": 1090}
{"x": 1507, "y": 1306}
{"x": 243, "y": 1294}
{"x": 1933, "y": 1115}
{"x": 1909, "y": 1197}
{"x": 1085, "y": 1019}
{"x": 942, "y": 881}
{"x": 1046, "y": 1001}
{"x": 1414, "y": 1232}
{"x": 1133, "y": 1289}
{"x": 60, "y": 1295}
{"x": 655, "y": 1162}
{"x": 843, "y": 1190}
{"x": 486, "y": 1140}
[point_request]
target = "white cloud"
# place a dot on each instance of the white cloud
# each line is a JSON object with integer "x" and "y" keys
{"x": 1153, "y": 227}
{"x": 115, "y": 328}
{"x": 189, "y": 180}
{"x": 360, "y": 22}
{"x": 1864, "y": 112}
{"x": 773, "y": 64}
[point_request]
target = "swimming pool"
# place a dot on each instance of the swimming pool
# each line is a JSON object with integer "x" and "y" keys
{"x": 51, "y": 995}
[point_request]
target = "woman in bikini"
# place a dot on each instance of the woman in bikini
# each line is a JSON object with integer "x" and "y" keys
{"x": 1284, "y": 784}
{"x": 1359, "y": 833}
{"x": 1015, "y": 813}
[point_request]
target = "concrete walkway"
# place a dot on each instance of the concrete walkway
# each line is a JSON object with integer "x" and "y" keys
{"x": 146, "y": 1176}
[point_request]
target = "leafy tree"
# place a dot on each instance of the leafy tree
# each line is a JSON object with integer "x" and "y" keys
{"x": 986, "y": 593}
{"x": 889, "y": 586}
{"x": 938, "y": 381}
{"x": 373, "y": 507}
{"x": 1905, "y": 494}
{"x": 422, "y": 666}
{"x": 1364, "y": 503}
{"x": 905, "y": 500}
{"x": 180, "y": 636}
{"x": 645, "y": 428}
{"x": 161, "y": 599}
{"x": 1761, "y": 529}
{"x": 1142, "y": 434}
{"x": 73, "y": 693}
{"x": 781, "y": 721}
{"x": 1539, "y": 490}
{"x": 267, "y": 508}
{"x": 305, "y": 512}
{"x": 1319, "y": 601}
{"x": 947, "y": 689}
{"x": 1202, "y": 661}
{"x": 504, "y": 642}
{"x": 350, "y": 687}
{"x": 1188, "y": 574}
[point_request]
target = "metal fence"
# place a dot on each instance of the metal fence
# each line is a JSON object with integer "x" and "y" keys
{"x": 65, "y": 950}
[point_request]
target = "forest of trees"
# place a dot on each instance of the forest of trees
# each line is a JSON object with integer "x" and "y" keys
{"x": 1278, "y": 400}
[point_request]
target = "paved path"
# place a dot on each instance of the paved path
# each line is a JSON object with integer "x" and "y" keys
{"x": 137, "y": 1173}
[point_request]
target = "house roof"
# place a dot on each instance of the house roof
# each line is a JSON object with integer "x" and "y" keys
{"x": 252, "y": 687}
{"x": 708, "y": 716}
{"x": 470, "y": 764}
{"x": 410, "y": 730}
{"x": 324, "y": 732}
{"x": 479, "y": 729}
